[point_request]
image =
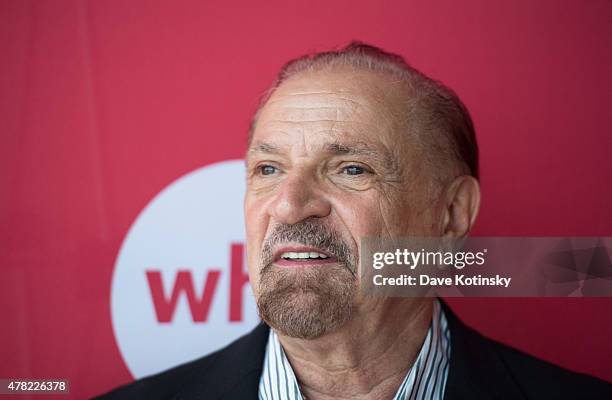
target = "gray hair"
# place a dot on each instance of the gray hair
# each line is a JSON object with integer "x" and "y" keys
{"x": 434, "y": 112}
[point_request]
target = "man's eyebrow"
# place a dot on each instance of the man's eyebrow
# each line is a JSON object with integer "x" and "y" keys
{"x": 352, "y": 149}
{"x": 363, "y": 149}
{"x": 266, "y": 148}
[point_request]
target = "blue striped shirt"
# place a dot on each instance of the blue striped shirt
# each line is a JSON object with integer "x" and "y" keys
{"x": 425, "y": 380}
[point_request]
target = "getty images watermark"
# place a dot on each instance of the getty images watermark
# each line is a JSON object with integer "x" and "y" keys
{"x": 487, "y": 267}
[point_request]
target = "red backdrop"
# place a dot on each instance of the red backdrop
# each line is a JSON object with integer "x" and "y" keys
{"x": 102, "y": 104}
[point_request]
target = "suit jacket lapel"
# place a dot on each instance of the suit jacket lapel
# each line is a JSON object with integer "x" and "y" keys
{"x": 475, "y": 371}
{"x": 233, "y": 372}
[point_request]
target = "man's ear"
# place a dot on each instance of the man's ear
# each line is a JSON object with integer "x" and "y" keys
{"x": 462, "y": 201}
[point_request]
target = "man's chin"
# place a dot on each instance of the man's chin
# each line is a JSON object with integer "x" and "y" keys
{"x": 304, "y": 314}
{"x": 306, "y": 303}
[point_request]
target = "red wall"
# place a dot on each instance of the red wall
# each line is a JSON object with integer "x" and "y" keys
{"x": 104, "y": 103}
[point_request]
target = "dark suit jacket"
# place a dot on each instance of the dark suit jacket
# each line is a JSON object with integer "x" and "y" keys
{"x": 479, "y": 369}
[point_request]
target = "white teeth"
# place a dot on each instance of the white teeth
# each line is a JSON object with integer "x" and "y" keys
{"x": 291, "y": 255}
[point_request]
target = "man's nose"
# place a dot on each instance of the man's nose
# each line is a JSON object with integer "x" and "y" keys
{"x": 299, "y": 197}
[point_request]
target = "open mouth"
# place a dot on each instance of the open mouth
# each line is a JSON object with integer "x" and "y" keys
{"x": 302, "y": 257}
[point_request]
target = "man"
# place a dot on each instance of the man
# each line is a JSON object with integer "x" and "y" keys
{"x": 346, "y": 145}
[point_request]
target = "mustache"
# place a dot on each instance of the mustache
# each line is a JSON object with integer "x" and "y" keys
{"x": 308, "y": 233}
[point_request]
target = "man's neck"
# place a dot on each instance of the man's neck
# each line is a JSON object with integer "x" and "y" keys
{"x": 367, "y": 358}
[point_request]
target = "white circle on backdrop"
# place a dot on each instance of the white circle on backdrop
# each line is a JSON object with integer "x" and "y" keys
{"x": 189, "y": 226}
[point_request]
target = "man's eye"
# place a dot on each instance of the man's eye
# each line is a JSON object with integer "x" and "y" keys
{"x": 353, "y": 170}
{"x": 267, "y": 170}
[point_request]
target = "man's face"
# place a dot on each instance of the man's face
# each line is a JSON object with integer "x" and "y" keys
{"x": 329, "y": 163}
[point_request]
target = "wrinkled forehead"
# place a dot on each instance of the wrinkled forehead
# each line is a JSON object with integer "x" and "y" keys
{"x": 347, "y": 104}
